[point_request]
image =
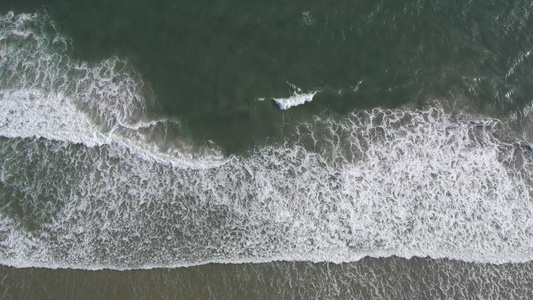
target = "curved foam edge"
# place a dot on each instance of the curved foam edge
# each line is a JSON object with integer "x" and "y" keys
{"x": 21, "y": 265}
{"x": 46, "y": 94}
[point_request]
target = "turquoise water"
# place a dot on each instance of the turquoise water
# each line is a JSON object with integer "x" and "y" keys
{"x": 328, "y": 149}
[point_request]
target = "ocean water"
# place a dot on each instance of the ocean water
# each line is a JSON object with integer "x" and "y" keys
{"x": 269, "y": 150}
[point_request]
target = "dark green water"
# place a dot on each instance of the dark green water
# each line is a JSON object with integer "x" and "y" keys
{"x": 139, "y": 135}
{"x": 208, "y": 62}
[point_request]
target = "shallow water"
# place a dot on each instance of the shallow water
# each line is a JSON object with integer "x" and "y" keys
{"x": 417, "y": 278}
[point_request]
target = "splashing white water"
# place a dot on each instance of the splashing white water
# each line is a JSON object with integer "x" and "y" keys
{"x": 294, "y": 100}
{"x": 298, "y": 98}
{"x": 402, "y": 182}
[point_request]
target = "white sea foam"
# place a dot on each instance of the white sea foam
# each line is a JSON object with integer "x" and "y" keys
{"x": 298, "y": 98}
{"x": 404, "y": 182}
{"x": 294, "y": 100}
{"x": 46, "y": 94}
{"x": 379, "y": 183}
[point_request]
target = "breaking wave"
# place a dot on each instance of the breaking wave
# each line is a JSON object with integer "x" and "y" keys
{"x": 88, "y": 179}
